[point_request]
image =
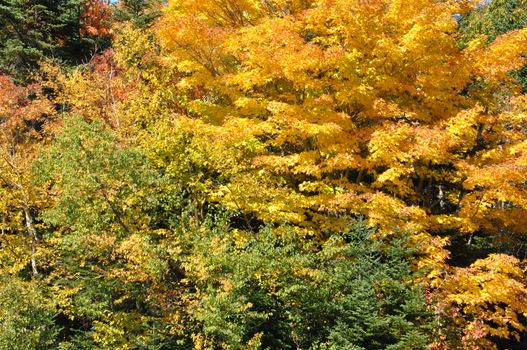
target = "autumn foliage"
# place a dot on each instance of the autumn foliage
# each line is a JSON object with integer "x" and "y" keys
{"x": 229, "y": 170}
{"x": 96, "y": 19}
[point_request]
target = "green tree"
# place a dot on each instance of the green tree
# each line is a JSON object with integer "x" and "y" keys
{"x": 493, "y": 18}
{"x": 271, "y": 290}
{"x": 36, "y": 29}
{"x": 141, "y": 13}
{"x": 26, "y": 316}
{"x": 109, "y": 264}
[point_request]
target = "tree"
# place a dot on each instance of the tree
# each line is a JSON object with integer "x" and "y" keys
{"x": 26, "y": 119}
{"x": 350, "y": 121}
{"x": 483, "y": 302}
{"x": 140, "y": 13}
{"x": 270, "y": 290}
{"x": 202, "y": 176}
{"x": 304, "y": 113}
{"x": 165, "y": 278}
{"x": 34, "y": 30}
{"x": 492, "y": 19}
{"x": 27, "y": 316}
{"x": 108, "y": 224}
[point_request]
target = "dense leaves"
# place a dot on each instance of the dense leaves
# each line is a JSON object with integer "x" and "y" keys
{"x": 27, "y": 316}
{"x": 268, "y": 290}
{"x": 31, "y": 31}
{"x": 245, "y": 174}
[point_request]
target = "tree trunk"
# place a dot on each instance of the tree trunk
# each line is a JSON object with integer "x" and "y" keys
{"x": 32, "y": 234}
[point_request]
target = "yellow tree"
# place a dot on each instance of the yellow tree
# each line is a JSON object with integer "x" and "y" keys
{"x": 353, "y": 107}
{"x": 487, "y": 299}
{"x": 307, "y": 112}
{"x": 92, "y": 91}
{"x": 25, "y": 114}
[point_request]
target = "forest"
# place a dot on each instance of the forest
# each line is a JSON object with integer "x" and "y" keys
{"x": 263, "y": 174}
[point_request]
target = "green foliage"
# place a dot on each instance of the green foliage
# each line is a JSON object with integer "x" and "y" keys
{"x": 110, "y": 249}
{"x": 33, "y": 30}
{"x": 141, "y": 13}
{"x": 271, "y": 290}
{"x": 102, "y": 186}
{"x": 492, "y": 19}
{"x": 26, "y": 316}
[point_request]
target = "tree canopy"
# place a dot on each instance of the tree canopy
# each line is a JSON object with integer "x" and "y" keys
{"x": 246, "y": 174}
